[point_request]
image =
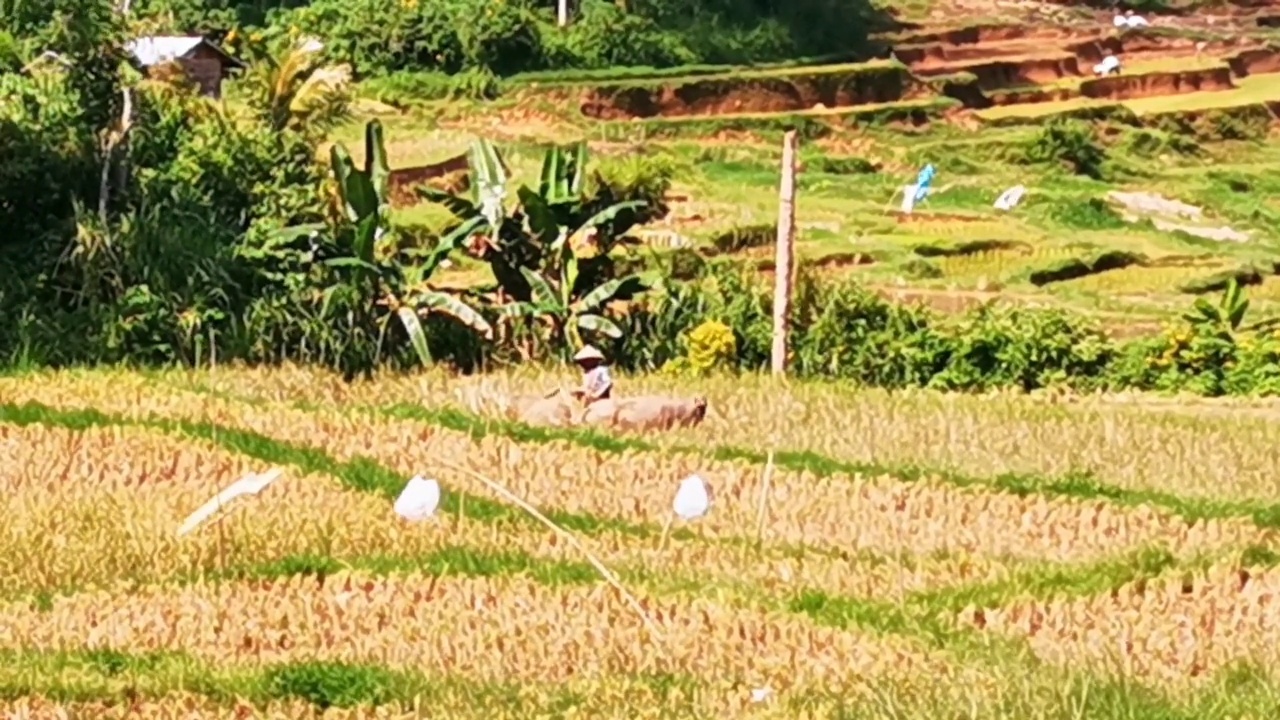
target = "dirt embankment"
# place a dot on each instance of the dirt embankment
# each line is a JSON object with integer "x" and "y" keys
{"x": 750, "y": 94}
{"x": 1026, "y": 97}
{"x": 997, "y": 74}
{"x": 940, "y": 53}
{"x": 975, "y": 34}
{"x": 1128, "y": 87}
{"x": 1256, "y": 61}
{"x": 402, "y": 181}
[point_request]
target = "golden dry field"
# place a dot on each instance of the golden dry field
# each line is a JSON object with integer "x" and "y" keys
{"x": 866, "y": 555}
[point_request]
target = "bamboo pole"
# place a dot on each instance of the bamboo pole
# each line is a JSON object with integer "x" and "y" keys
{"x": 785, "y": 267}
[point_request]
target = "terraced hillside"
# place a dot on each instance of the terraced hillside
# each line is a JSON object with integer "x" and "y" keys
{"x": 1179, "y": 184}
{"x": 910, "y": 555}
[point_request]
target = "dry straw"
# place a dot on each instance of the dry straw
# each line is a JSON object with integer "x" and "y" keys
{"x": 608, "y": 575}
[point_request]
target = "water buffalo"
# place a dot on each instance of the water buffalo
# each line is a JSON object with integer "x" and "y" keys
{"x": 556, "y": 408}
{"x": 648, "y": 412}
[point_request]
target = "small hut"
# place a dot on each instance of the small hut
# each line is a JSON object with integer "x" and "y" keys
{"x": 202, "y": 61}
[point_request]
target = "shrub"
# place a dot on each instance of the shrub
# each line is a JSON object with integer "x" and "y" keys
{"x": 1091, "y": 214}
{"x": 1072, "y": 143}
{"x": 637, "y": 176}
{"x": 1023, "y": 348}
{"x": 920, "y": 269}
{"x": 711, "y": 345}
{"x": 327, "y": 684}
{"x": 605, "y": 36}
{"x": 744, "y": 237}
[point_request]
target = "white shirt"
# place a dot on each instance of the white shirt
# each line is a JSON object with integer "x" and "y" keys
{"x": 596, "y": 382}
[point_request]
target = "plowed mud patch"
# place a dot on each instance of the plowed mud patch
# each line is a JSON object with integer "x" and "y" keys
{"x": 1158, "y": 84}
{"x": 834, "y": 261}
{"x": 1029, "y": 96}
{"x": 944, "y": 301}
{"x": 740, "y": 94}
{"x": 993, "y": 75}
{"x": 972, "y": 247}
{"x": 905, "y": 218}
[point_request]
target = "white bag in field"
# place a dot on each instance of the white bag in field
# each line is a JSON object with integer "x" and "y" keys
{"x": 693, "y": 499}
{"x": 419, "y": 499}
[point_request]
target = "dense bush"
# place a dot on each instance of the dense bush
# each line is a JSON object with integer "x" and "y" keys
{"x": 842, "y": 330}
{"x": 1071, "y": 143}
{"x": 515, "y": 36}
{"x": 208, "y": 233}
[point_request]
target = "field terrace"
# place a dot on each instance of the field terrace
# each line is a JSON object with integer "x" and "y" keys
{"x": 1185, "y": 121}
{"x": 1025, "y": 557}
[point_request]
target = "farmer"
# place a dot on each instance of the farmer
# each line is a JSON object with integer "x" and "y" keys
{"x": 597, "y": 384}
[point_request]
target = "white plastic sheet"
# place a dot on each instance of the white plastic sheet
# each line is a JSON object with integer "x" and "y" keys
{"x": 1010, "y": 198}
{"x": 248, "y": 485}
{"x": 908, "y": 199}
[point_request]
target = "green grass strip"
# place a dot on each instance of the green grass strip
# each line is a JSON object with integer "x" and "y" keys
{"x": 116, "y": 675}
{"x": 928, "y": 613}
{"x": 444, "y": 561}
{"x": 123, "y": 678}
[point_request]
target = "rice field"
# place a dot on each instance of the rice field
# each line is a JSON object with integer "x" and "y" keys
{"x": 866, "y": 554}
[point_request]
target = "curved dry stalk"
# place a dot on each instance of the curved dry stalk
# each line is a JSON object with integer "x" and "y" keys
{"x": 605, "y": 572}
{"x": 764, "y": 501}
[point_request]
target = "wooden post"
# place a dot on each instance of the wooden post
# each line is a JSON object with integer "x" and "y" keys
{"x": 562, "y": 13}
{"x": 785, "y": 266}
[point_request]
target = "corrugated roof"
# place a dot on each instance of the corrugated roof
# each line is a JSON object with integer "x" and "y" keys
{"x": 157, "y": 49}
{"x": 162, "y": 48}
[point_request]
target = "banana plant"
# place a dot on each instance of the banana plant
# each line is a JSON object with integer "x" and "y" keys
{"x": 401, "y": 287}
{"x": 363, "y": 193}
{"x": 530, "y": 236}
{"x": 569, "y": 312}
{"x": 420, "y": 300}
{"x": 1227, "y": 314}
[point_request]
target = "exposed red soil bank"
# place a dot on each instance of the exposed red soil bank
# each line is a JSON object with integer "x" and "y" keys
{"x": 402, "y": 181}
{"x": 1088, "y": 47}
{"x": 940, "y": 53}
{"x": 1257, "y": 61}
{"x": 996, "y": 74}
{"x": 750, "y": 94}
{"x": 975, "y": 34}
{"x": 1127, "y": 87}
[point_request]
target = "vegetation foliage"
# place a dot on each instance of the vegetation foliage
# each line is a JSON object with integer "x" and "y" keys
{"x": 476, "y": 37}
{"x": 154, "y": 227}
